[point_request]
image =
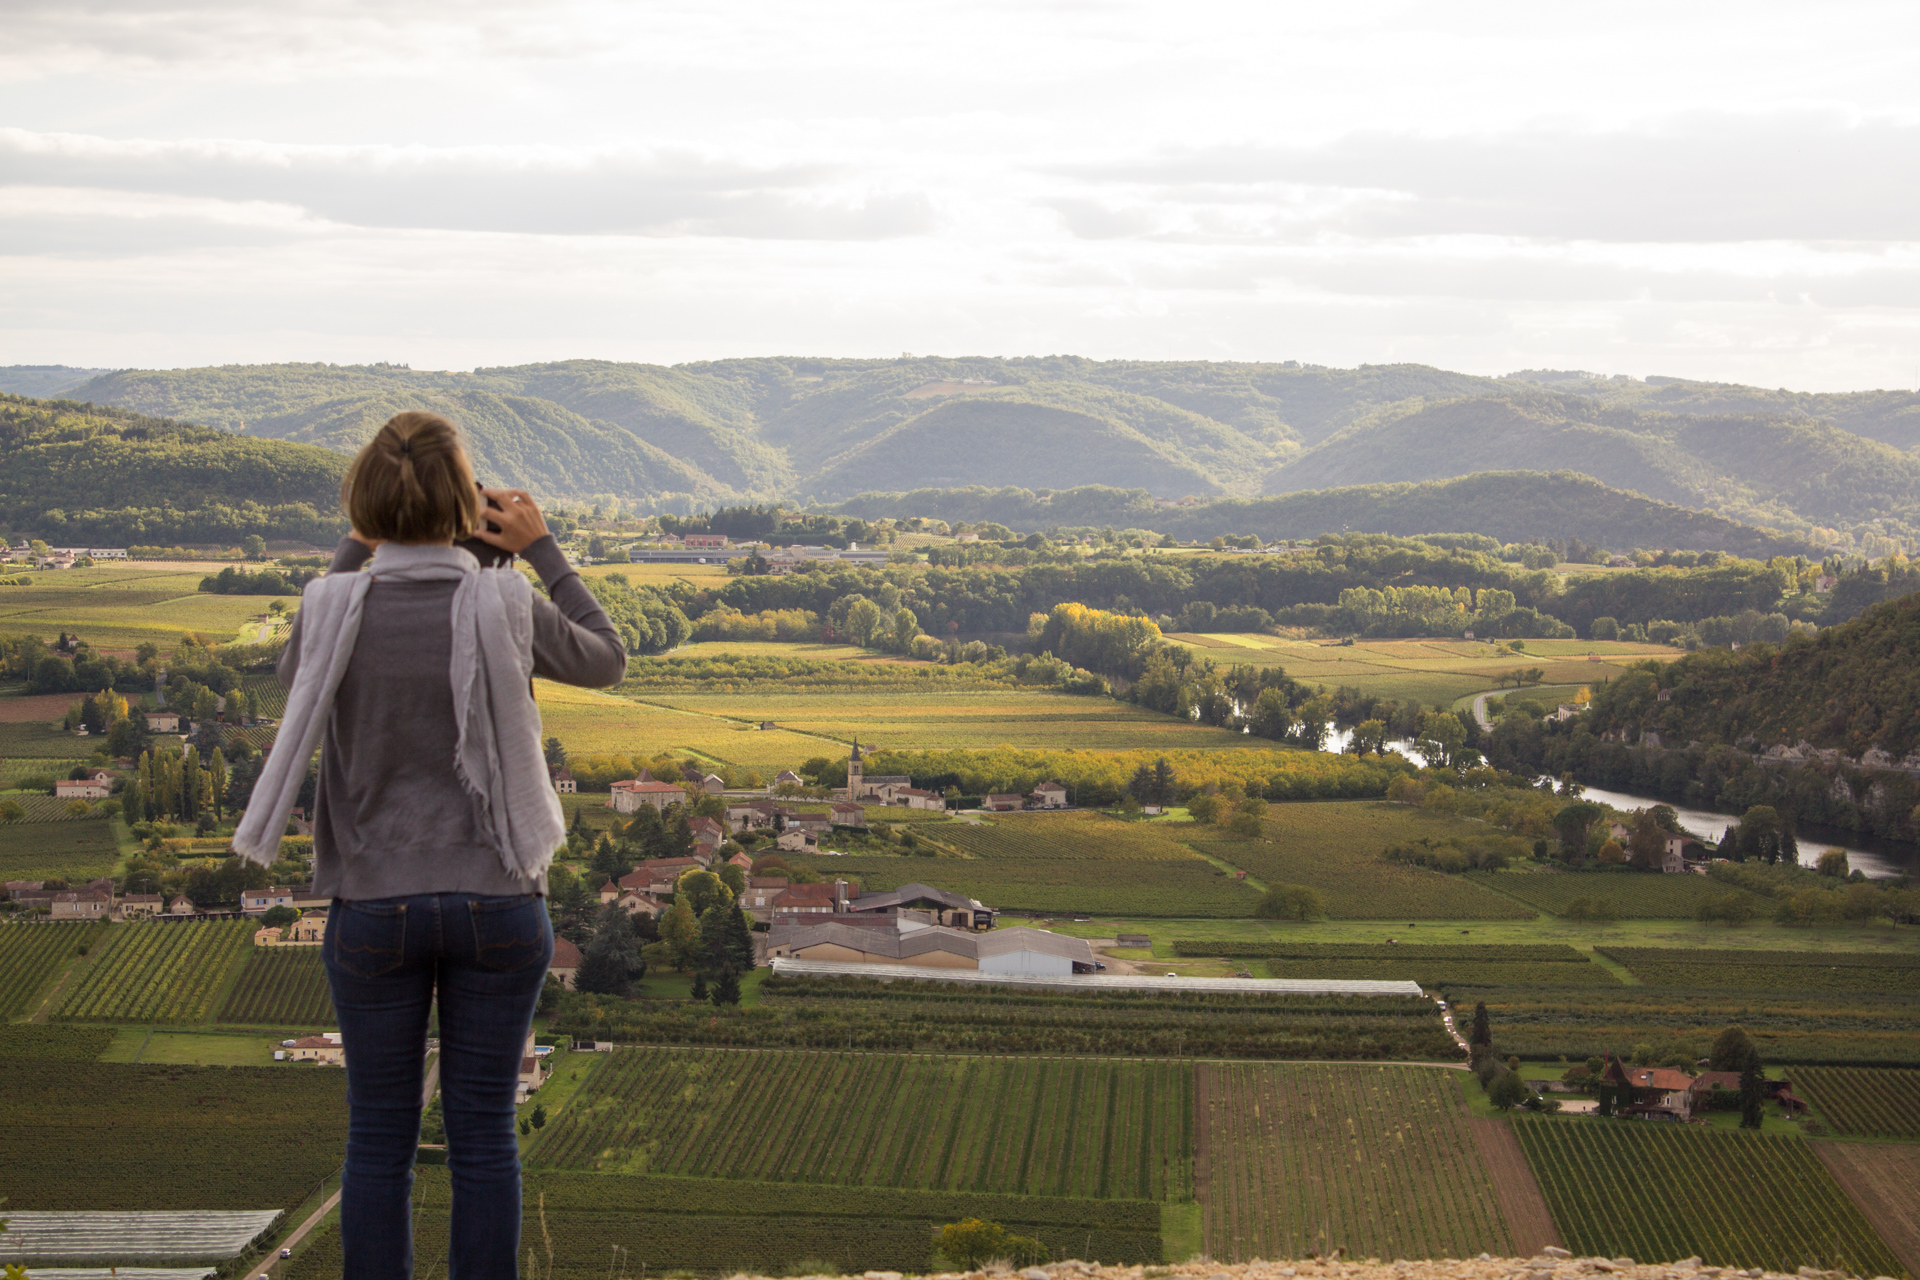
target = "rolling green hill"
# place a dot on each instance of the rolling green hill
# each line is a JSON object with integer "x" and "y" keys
{"x": 74, "y": 473}
{"x": 1773, "y": 470}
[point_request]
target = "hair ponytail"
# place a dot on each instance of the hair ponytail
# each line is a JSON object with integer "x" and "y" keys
{"x": 412, "y": 482}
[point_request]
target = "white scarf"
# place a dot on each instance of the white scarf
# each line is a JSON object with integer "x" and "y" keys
{"x": 498, "y": 756}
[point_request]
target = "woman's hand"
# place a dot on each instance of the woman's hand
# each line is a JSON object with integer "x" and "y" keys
{"x": 519, "y": 518}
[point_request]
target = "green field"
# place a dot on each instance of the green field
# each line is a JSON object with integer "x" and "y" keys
{"x": 1659, "y": 1192}
{"x": 1431, "y": 672}
{"x": 120, "y": 606}
{"x": 1632, "y": 894}
{"x": 30, "y": 954}
{"x": 86, "y": 1135}
{"x": 1430, "y": 966}
{"x": 280, "y": 986}
{"x": 1049, "y": 1127}
{"x": 1869, "y": 1103}
{"x": 45, "y": 1043}
{"x": 42, "y": 743}
{"x": 733, "y": 1228}
{"x": 1297, "y": 1160}
{"x": 1334, "y": 847}
{"x": 937, "y": 1017}
{"x": 1853, "y": 974}
{"x": 72, "y": 851}
{"x": 1076, "y": 862}
{"x": 966, "y": 717}
{"x": 1544, "y": 1024}
{"x": 593, "y": 723}
{"x": 156, "y": 972}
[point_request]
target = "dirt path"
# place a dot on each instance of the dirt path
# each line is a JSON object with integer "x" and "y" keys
{"x": 1883, "y": 1180}
{"x": 1514, "y": 1186}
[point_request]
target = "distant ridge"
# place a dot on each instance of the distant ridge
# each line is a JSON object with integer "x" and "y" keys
{"x": 1509, "y": 506}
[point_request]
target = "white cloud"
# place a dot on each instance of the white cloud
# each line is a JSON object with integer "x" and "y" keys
{"x": 1671, "y": 189}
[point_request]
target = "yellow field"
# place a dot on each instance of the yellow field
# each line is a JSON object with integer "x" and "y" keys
{"x": 594, "y": 723}
{"x": 782, "y": 649}
{"x": 705, "y": 575}
{"x": 121, "y": 606}
{"x": 1432, "y": 671}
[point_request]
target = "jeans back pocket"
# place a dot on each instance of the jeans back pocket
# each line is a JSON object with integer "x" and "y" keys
{"x": 368, "y": 939}
{"x": 510, "y": 934}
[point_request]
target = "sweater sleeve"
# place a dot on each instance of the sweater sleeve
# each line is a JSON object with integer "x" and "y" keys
{"x": 574, "y": 642}
{"x": 347, "y": 558}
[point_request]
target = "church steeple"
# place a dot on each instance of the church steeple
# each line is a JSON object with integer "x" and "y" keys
{"x": 854, "y": 771}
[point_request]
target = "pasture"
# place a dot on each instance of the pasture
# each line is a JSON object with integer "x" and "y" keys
{"x": 1334, "y": 847}
{"x": 43, "y": 741}
{"x": 74, "y": 851}
{"x": 1022, "y": 1126}
{"x": 1431, "y": 672}
{"x": 85, "y": 1135}
{"x": 1380, "y": 1161}
{"x": 279, "y": 986}
{"x": 1633, "y": 895}
{"x": 151, "y": 972}
{"x": 1787, "y": 1212}
{"x": 1867, "y": 1102}
{"x": 120, "y": 606}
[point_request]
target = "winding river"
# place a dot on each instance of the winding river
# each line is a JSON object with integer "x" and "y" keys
{"x": 1709, "y": 826}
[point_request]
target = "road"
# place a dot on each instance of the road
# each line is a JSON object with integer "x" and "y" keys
{"x": 1480, "y": 710}
{"x": 264, "y": 1271}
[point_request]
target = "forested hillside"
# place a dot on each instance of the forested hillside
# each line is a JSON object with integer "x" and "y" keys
{"x": 73, "y": 473}
{"x": 1508, "y": 506}
{"x": 1852, "y": 687}
{"x": 1826, "y": 468}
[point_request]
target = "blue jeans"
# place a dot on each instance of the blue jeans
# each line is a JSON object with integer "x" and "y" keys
{"x": 387, "y": 959}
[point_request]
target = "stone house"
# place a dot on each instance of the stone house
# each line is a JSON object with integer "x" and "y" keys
{"x": 565, "y": 964}
{"x": 1050, "y": 795}
{"x": 627, "y": 797}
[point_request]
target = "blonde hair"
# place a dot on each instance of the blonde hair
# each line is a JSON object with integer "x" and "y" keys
{"x": 412, "y": 482}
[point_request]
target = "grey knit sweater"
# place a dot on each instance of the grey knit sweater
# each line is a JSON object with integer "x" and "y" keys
{"x": 390, "y": 816}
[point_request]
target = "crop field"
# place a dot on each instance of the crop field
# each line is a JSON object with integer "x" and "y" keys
{"x": 969, "y": 717}
{"x": 1380, "y": 1161}
{"x": 121, "y": 606}
{"x": 1856, "y": 973}
{"x": 30, "y": 954}
{"x": 1179, "y": 888}
{"x": 280, "y": 986}
{"x": 1432, "y": 672}
{"x": 42, "y": 741}
{"x": 730, "y": 1227}
{"x": 1633, "y": 895}
{"x": 43, "y": 808}
{"x": 1545, "y": 965}
{"x": 1870, "y": 1103}
{"x": 270, "y": 693}
{"x": 595, "y": 723}
{"x": 72, "y": 851}
{"x": 156, "y": 972}
{"x": 34, "y": 708}
{"x": 1883, "y": 1179}
{"x": 84, "y": 1135}
{"x": 1334, "y": 847}
{"x": 1084, "y": 1127}
{"x": 937, "y": 1017}
{"x": 1733, "y": 1199}
{"x": 46, "y": 1043}
{"x": 815, "y": 652}
{"x": 1789, "y": 1029}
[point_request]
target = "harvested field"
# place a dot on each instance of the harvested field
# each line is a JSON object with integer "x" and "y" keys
{"x": 1514, "y": 1186}
{"x": 42, "y": 707}
{"x": 1883, "y": 1181}
{"x": 1380, "y": 1161}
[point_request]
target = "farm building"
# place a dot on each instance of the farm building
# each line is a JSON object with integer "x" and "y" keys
{"x": 848, "y": 815}
{"x": 565, "y": 963}
{"x": 1004, "y": 802}
{"x": 139, "y": 906}
{"x": 915, "y": 798}
{"x": 796, "y": 840}
{"x": 918, "y": 944}
{"x": 323, "y": 1049}
{"x": 82, "y": 904}
{"x": 1049, "y": 795}
{"x": 255, "y": 901}
{"x": 1651, "y": 1093}
{"x": 627, "y": 797}
{"x": 563, "y": 783}
{"x": 163, "y": 722}
{"x": 941, "y": 907}
{"x": 98, "y": 787}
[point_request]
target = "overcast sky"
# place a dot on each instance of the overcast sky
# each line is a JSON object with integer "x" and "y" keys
{"x": 1723, "y": 192}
